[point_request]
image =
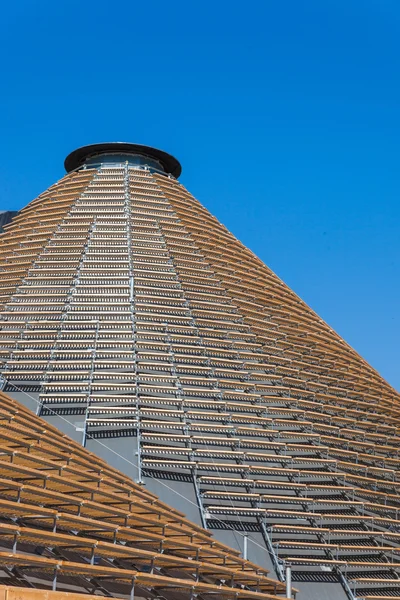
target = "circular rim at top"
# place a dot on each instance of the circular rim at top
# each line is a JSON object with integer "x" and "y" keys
{"x": 77, "y": 158}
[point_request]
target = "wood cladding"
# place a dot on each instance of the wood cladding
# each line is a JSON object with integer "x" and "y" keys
{"x": 129, "y": 312}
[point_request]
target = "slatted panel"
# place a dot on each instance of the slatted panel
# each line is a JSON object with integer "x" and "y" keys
{"x": 309, "y": 448}
{"x": 148, "y": 332}
{"x": 90, "y": 521}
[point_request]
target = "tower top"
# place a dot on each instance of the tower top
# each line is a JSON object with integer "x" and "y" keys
{"x": 122, "y": 151}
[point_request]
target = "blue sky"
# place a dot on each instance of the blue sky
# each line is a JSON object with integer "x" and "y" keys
{"x": 285, "y": 117}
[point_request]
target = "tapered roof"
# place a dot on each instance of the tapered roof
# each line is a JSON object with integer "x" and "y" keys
{"x": 136, "y": 323}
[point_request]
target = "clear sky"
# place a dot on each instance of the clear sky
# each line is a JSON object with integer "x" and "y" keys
{"x": 285, "y": 116}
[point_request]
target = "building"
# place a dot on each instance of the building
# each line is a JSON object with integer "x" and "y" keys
{"x": 5, "y": 217}
{"x": 135, "y": 323}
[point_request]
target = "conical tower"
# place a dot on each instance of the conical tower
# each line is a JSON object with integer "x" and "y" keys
{"x": 134, "y": 322}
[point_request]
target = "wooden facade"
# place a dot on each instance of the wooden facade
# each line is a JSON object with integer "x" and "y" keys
{"x": 129, "y": 313}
